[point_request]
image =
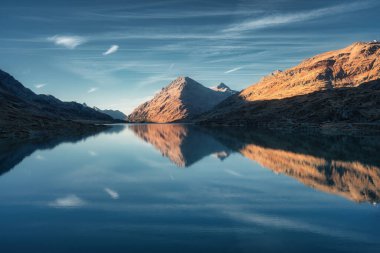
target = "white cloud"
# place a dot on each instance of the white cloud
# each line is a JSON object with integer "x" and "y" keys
{"x": 40, "y": 85}
{"x": 233, "y": 70}
{"x": 113, "y": 194}
{"x": 92, "y": 153}
{"x": 170, "y": 14}
{"x": 280, "y": 19}
{"x": 70, "y": 42}
{"x": 93, "y": 89}
{"x": 67, "y": 202}
{"x": 40, "y": 157}
{"x": 111, "y": 50}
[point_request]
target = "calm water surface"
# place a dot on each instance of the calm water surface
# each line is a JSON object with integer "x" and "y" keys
{"x": 177, "y": 188}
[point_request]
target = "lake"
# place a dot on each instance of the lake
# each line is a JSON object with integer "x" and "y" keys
{"x": 184, "y": 188}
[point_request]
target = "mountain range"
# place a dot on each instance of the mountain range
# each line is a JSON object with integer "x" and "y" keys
{"x": 334, "y": 90}
{"x": 115, "y": 114}
{"x": 341, "y": 86}
{"x": 337, "y": 88}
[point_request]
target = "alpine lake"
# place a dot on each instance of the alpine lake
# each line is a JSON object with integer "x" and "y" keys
{"x": 187, "y": 188}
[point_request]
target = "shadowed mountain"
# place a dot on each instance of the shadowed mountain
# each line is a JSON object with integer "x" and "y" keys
{"x": 344, "y": 109}
{"x": 115, "y": 114}
{"x": 224, "y": 88}
{"x": 184, "y": 145}
{"x": 342, "y": 165}
{"x": 340, "y": 86}
{"x": 24, "y": 113}
{"x": 181, "y": 100}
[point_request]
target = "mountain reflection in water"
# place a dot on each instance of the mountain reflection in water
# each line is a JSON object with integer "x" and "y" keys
{"x": 184, "y": 145}
{"x": 13, "y": 151}
{"x": 342, "y": 165}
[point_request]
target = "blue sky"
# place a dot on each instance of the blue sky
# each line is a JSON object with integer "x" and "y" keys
{"x": 116, "y": 54}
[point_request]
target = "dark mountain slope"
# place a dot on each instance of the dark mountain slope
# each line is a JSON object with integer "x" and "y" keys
{"x": 24, "y": 113}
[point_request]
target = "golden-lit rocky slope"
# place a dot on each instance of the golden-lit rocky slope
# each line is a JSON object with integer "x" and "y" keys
{"x": 348, "y": 67}
{"x": 182, "y": 99}
{"x": 325, "y": 84}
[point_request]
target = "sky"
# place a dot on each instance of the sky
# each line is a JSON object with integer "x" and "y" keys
{"x": 116, "y": 54}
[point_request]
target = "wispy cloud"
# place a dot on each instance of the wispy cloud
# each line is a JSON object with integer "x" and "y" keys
{"x": 169, "y": 14}
{"x": 113, "y": 194}
{"x": 111, "y": 50}
{"x": 92, "y": 153}
{"x": 93, "y": 89}
{"x": 40, "y": 85}
{"x": 155, "y": 79}
{"x": 233, "y": 173}
{"x": 69, "y": 201}
{"x": 292, "y": 224}
{"x": 281, "y": 19}
{"x": 69, "y": 42}
{"x": 40, "y": 157}
{"x": 233, "y": 70}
